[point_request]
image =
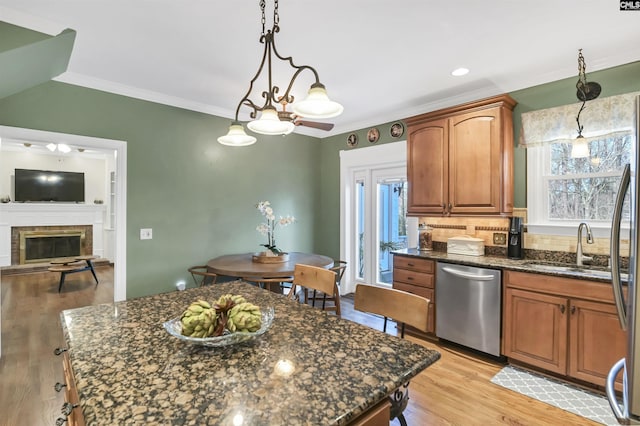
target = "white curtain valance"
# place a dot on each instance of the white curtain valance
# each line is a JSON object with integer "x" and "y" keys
{"x": 600, "y": 117}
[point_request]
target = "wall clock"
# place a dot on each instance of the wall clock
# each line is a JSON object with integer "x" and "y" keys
{"x": 373, "y": 135}
{"x": 352, "y": 140}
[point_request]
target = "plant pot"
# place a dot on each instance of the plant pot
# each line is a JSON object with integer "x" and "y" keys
{"x": 269, "y": 257}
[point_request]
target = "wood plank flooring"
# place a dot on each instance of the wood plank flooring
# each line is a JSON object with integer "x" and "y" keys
{"x": 454, "y": 391}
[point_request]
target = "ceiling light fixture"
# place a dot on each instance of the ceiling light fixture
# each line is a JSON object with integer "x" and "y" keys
{"x": 62, "y": 147}
{"x": 586, "y": 91}
{"x": 316, "y": 105}
{"x": 459, "y": 72}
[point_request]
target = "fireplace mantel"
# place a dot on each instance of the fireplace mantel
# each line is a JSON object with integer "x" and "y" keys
{"x": 49, "y": 214}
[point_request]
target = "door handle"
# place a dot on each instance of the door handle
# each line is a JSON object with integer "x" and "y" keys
{"x": 562, "y": 308}
{"x": 615, "y": 247}
{"x": 468, "y": 275}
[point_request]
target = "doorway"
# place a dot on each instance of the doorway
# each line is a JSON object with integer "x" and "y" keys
{"x": 117, "y": 150}
{"x": 373, "y": 219}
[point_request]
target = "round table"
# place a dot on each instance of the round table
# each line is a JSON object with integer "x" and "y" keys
{"x": 242, "y": 265}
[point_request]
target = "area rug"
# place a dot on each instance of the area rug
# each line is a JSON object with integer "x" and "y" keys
{"x": 554, "y": 392}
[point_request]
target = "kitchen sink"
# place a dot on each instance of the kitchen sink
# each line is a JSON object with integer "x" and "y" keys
{"x": 586, "y": 271}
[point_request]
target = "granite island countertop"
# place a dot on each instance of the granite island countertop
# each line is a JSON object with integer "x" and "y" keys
{"x": 522, "y": 265}
{"x": 129, "y": 370}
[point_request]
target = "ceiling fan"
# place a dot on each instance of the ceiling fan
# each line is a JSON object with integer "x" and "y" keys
{"x": 298, "y": 121}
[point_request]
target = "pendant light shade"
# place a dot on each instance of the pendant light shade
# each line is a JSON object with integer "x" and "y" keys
{"x": 270, "y": 124}
{"x": 236, "y": 136}
{"x": 579, "y": 148}
{"x": 317, "y": 104}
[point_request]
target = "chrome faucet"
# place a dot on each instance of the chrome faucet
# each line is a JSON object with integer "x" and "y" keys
{"x": 581, "y": 258}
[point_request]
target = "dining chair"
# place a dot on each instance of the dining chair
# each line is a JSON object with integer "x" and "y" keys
{"x": 203, "y": 275}
{"x": 404, "y": 308}
{"x": 339, "y": 266}
{"x": 315, "y": 278}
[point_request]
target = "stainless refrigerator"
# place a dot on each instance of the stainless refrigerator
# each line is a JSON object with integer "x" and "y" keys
{"x": 627, "y": 411}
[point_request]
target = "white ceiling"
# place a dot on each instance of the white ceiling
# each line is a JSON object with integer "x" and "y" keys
{"x": 383, "y": 60}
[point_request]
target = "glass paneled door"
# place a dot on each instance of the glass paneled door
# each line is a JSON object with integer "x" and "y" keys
{"x": 381, "y": 222}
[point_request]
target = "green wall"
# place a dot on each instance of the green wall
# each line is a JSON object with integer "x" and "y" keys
{"x": 198, "y": 196}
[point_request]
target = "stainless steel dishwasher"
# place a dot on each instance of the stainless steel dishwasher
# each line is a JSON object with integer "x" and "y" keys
{"x": 468, "y": 305}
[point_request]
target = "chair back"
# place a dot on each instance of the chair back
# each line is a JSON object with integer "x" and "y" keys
{"x": 339, "y": 266}
{"x": 320, "y": 279}
{"x": 401, "y": 306}
{"x": 203, "y": 274}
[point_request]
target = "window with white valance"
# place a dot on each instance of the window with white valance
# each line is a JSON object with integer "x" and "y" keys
{"x": 563, "y": 190}
{"x": 600, "y": 118}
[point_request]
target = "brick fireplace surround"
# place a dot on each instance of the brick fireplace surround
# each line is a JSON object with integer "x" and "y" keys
{"x": 87, "y": 241}
{"x": 16, "y": 217}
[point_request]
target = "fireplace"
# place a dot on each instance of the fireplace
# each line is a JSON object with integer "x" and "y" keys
{"x": 45, "y": 243}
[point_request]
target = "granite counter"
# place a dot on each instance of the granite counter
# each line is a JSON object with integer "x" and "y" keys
{"x": 129, "y": 370}
{"x": 523, "y": 265}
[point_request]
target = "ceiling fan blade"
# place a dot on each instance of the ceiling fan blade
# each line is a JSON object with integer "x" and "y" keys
{"x": 315, "y": 125}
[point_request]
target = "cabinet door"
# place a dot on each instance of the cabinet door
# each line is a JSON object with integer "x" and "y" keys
{"x": 427, "y": 167}
{"x": 535, "y": 329}
{"x": 596, "y": 341}
{"x": 475, "y": 162}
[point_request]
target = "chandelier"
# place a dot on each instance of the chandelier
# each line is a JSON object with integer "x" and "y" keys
{"x": 586, "y": 91}
{"x": 271, "y": 121}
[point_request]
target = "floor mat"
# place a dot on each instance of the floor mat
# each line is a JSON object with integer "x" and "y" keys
{"x": 559, "y": 394}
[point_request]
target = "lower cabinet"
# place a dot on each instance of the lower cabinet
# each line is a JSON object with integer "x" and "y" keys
{"x": 417, "y": 276}
{"x": 565, "y": 326}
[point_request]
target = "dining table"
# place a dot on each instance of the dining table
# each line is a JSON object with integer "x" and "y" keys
{"x": 309, "y": 367}
{"x": 243, "y": 265}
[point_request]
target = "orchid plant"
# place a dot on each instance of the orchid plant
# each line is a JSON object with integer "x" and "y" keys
{"x": 268, "y": 228}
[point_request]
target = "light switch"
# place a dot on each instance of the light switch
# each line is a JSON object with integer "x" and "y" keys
{"x": 146, "y": 233}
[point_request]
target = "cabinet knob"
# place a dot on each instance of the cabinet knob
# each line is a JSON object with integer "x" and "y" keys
{"x": 59, "y": 351}
{"x": 562, "y": 308}
{"x": 573, "y": 310}
{"x": 58, "y": 386}
{"x": 449, "y": 206}
{"x": 67, "y": 408}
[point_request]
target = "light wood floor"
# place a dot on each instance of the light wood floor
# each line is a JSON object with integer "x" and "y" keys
{"x": 454, "y": 391}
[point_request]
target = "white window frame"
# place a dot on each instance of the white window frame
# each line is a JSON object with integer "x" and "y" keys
{"x": 538, "y": 176}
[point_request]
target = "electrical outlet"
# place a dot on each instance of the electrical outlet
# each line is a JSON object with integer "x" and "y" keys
{"x": 499, "y": 238}
{"x": 146, "y": 233}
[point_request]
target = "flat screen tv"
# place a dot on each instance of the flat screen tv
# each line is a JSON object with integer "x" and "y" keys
{"x": 47, "y": 185}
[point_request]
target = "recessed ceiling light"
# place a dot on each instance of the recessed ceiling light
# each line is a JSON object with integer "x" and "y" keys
{"x": 459, "y": 72}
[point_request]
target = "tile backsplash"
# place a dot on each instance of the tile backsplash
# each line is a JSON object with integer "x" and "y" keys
{"x": 489, "y": 229}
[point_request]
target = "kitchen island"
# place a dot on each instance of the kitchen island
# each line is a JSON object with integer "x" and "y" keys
{"x": 128, "y": 370}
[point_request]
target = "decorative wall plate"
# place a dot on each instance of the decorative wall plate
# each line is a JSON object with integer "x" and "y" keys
{"x": 397, "y": 129}
{"x": 373, "y": 135}
{"x": 352, "y": 140}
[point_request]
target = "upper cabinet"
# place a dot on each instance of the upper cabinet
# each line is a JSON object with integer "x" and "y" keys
{"x": 460, "y": 160}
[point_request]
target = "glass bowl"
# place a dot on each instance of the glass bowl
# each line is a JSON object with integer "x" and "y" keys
{"x": 174, "y": 328}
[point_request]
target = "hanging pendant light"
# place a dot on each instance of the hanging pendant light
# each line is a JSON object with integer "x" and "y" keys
{"x": 236, "y": 136}
{"x": 586, "y": 91}
{"x": 316, "y": 105}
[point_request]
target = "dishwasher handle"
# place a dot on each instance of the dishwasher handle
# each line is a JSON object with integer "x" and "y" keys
{"x": 468, "y": 275}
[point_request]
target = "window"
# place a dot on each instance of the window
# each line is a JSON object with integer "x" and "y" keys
{"x": 563, "y": 191}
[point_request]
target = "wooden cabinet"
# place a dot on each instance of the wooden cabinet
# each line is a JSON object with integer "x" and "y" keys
{"x": 562, "y": 325}
{"x": 460, "y": 160}
{"x": 416, "y": 276}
